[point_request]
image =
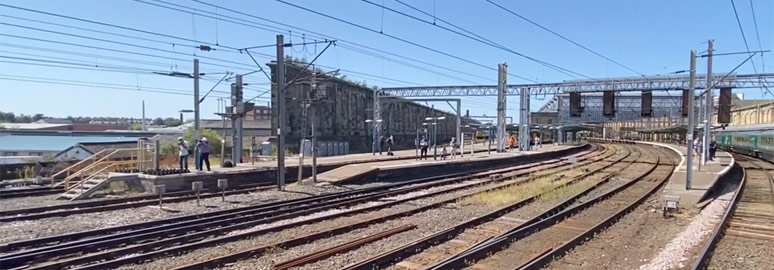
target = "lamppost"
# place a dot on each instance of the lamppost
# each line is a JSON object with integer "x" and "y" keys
{"x": 373, "y": 144}
{"x": 435, "y": 133}
{"x": 181, "y": 114}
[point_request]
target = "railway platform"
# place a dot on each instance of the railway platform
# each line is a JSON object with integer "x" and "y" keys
{"x": 359, "y": 171}
{"x": 705, "y": 176}
{"x": 264, "y": 172}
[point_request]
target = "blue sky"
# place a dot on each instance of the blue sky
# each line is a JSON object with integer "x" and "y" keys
{"x": 651, "y": 37}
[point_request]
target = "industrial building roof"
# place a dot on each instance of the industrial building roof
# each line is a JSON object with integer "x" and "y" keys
{"x": 53, "y": 143}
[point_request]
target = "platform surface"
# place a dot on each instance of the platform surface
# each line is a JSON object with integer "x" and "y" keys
{"x": 704, "y": 175}
{"x": 348, "y": 172}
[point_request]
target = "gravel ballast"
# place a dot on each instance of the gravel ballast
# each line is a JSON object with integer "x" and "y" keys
{"x": 31, "y": 229}
{"x": 275, "y": 237}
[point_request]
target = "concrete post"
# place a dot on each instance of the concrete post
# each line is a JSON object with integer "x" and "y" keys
{"x": 708, "y": 104}
{"x": 280, "y": 112}
{"x": 689, "y": 131}
{"x": 501, "y": 89}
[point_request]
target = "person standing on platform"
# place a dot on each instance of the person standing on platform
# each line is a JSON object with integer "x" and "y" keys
{"x": 511, "y": 143}
{"x": 696, "y": 147}
{"x": 204, "y": 154}
{"x": 389, "y": 145}
{"x": 713, "y": 147}
{"x": 453, "y": 144}
{"x": 183, "y": 153}
{"x": 423, "y": 144}
{"x": 443, "y": 153}
{"x": 538, "y": 144}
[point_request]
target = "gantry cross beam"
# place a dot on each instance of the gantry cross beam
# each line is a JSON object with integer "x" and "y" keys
{"x": 656, "y": 83}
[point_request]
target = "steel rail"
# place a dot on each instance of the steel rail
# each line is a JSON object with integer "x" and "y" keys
{"x": 545, "y": 220}
{"x": 415, "y": 247}
{"x": 220, "y": 214}
{"x": 115, "y": 204}
{"x": 703, "y": 259}
{"x": 92, "y": 244}
{"x": 309, "y": 238}
{"x": 543, "y": 259}
{"x": 27, "y": 192}
{"x": 322, "y": 254}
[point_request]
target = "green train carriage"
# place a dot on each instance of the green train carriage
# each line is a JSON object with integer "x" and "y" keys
{"x": 755, "y": 143}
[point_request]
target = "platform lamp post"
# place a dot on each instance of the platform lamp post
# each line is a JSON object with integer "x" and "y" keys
{"x": 435, "y": 134}
{"x": 434, "y": 124}
{"x": 374, "y": 142}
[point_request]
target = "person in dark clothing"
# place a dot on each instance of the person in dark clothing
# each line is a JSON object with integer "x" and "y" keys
{"x": 713, "y": 147}
{"x": 423, "y": 143}
{"x": 204, "y": 154}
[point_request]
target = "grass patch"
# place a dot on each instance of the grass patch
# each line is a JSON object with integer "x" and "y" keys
{"x": 516, "y": 193}
{"x": 567, "y": 191}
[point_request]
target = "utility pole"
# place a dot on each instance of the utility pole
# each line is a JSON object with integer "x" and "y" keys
{"x": 501, "y": 88}
{"x": 376, "y": 118}
{"x": 708, "y": 109}
{"x": 459, "y": 126}
{"x": 689, "y": 129}
{"x": 144, "y": 128}
{"x": 280, "y": 112}
{"x": 306, "y": 104}
{"x": 196, "y": 98}
{"x": 313, "y": 116}
{"x": 236, "y": 121}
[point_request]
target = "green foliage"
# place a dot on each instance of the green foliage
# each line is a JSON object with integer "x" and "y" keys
{"x": 136, "y": 126}
{"x": 169, "y": 149}
{"x": 158, "y": 121}
{"x": 172, "y": 122}
{"x": 212, "y": 137}
{"x": 9, "y": 117}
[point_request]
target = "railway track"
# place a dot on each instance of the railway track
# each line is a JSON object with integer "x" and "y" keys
{"x": 534, "y": 245}
{"x": 453, "y": 239}
{"x": 744, "y": 237}
{"x": 27, "y": 192}
{"x": 178, "y": 235}
{"x": 115, "y": 204}
{"x": 295, "y": 242}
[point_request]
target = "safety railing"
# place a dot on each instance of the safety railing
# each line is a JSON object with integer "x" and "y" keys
{"x": 139, "y": 158}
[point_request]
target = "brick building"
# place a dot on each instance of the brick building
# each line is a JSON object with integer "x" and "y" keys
{"x": 345, "y": 107}
{"x": 258, "y": 113}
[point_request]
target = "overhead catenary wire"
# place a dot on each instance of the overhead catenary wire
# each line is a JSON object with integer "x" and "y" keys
{"x": 746, "y": 45}
{"x": 159, "y": 34}
{"x": 398, "y": 38}
{"x": 115, "y": 26}
{"x": 95, "y": 85}
{"x": 117, "y": 42}
{"x": 318, "y": 35}
{"x": 483, "y": 41}
{"x": 100, "y": 32}
{"x": 256, "y": 25}
{"x": 757, "y": 35}
{"x": 341, "y": 42}
{"x": 562, "y": 37}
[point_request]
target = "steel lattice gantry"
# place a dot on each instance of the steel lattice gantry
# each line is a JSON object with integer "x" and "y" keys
{"x": 628, "y": 108}
{"x": 656, "y": 83}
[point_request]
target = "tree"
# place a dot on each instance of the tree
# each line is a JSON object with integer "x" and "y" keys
{"x": 38, "y": 116}
{"x": 8, "y": 117}
{"x": 136, "y": 126}
{"x": 212, "y": 137}
{"x": 158, "y": 121}
{"x": 171, "y": 122}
